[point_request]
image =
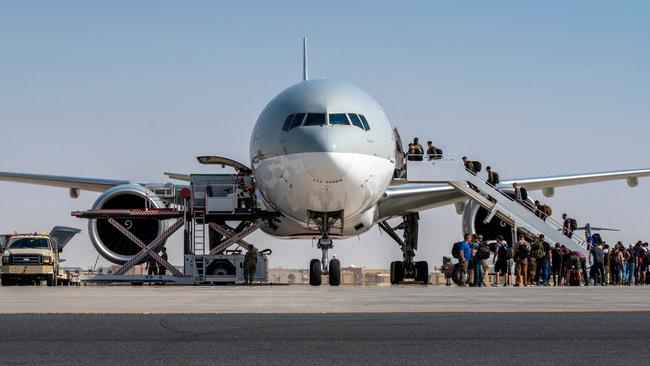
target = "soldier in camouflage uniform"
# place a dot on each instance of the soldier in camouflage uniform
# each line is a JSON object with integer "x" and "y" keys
{"x": 250, "y": 265}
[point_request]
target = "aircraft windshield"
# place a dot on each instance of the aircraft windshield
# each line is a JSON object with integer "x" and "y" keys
{"x": 356, "y": 120}
{"x": 287, "y": 123}
{"x": 320, "y": 119}
{"x": 29, "y": 243}
{"x": 297, "y": 120}
{"x": 315, "y": 119}
{"x": 339, "y": 119}
{"x": 366, "y": 126}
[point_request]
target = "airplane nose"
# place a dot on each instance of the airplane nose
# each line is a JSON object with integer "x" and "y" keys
{"x": 327, "y": 166}
{"x": 323, "y": 157}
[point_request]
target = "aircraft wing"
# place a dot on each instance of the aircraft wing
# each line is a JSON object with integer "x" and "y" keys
{"x": 578, "y": 179}
{"x": 412, "y": 197}
{"x": 88, "y": 184}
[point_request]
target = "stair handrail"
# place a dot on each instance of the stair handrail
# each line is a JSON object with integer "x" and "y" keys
{"x": 535, "y": 211}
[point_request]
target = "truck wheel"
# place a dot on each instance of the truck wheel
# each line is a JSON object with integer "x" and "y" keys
{"x": 51, "y": 280}
{"x": 6, "y": 281}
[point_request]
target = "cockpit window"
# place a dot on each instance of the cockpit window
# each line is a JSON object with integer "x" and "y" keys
{"x": 366, "y": 126}
{"x": 315, "y": 119}
{"x": 287, "y": 123}
{"x": 356, "y": 120}
{"x": 297, "y": 120}
{"x": 339, "y": 119}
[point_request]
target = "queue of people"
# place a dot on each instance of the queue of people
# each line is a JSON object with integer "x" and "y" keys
{"x": 538, "y": 263}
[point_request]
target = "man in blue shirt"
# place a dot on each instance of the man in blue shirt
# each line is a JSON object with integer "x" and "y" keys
{"x": 465, "y": 257}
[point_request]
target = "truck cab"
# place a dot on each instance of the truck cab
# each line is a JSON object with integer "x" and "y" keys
{"x": 34, "y": 257}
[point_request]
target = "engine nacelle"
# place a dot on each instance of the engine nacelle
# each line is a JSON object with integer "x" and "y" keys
{"x": 111, "y": 243}
{"x": 474, "y": 215}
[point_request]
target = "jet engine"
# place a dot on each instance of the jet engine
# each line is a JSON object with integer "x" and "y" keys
{"x": 111, "y": 243}
{"x": 474, "y": 216}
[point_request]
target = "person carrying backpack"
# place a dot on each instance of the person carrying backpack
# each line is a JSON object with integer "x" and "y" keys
{"x": 521, "y": 250}
{"x": 566, "y": 225}
{"x": 493, "y": 177}
{"x": 556, "y": 264}
{"x": 464, "y": 256}
{"x": 539, "y": 255}
{"x": 501, "y": 262}
{"x": 481, "y": 260}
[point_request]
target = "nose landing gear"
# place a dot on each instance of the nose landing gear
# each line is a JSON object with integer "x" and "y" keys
{"x": 328, "y": 267}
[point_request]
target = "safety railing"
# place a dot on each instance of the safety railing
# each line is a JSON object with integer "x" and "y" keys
{"x": 222, "y": 197}
{"x": 159, "y": 192}
{"x": 540, "y": 214}
{"x": 537, "y": 212}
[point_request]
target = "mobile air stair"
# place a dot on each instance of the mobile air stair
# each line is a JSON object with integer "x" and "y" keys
{"x": 518, "y": 215}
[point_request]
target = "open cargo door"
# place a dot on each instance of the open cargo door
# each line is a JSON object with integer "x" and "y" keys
{"x": 63, "y": 234}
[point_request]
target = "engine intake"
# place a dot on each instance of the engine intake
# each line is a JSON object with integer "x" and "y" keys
{"x": 109, "y": 242}
{"x": 474, "y": 215}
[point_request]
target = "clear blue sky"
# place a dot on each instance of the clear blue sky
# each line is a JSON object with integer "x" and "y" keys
{"x": 132, "y": 89}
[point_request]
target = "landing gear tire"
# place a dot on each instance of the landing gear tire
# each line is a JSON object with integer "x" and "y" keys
{"x": 422, "y": 272}
{"x": 335, "y": 272}
{"x": 315, "y": 272}
{"x": 396, "y": 272}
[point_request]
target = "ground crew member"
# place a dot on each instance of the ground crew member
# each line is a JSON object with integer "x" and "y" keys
{"x": 250, "y": 265}
{"x": 151, "y": 266}
{"x": 161, "y": 269}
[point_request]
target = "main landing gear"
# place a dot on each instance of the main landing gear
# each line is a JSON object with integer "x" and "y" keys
{"x": 407, "y": 268}
{"x": 328, "y": 267}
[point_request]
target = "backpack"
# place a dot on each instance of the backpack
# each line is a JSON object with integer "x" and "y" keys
{"x": 477, "y": 166}
{"x": 493, "y": 247}
{"x": 483, "y": 251}
{"x": 524, "y": 194}
{"x": 538, "y": 251}
{"x": 547, "y": 210}
{"x": 523, "y": 251}
{"x": 455, "y": 250}
{"x": 574, "y": 224}
{"x": 510, "y": 253}
{"x": 438, "y": 154}
{"x": 495, "y": 177}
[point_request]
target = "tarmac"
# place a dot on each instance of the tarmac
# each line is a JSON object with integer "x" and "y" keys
{"x": 620, "y": 338}
{"x": 299, "y": 299}
{"x": 303, "y": 325}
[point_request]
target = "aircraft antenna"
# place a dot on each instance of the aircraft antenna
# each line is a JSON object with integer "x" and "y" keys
{"x": 304, "y": 59}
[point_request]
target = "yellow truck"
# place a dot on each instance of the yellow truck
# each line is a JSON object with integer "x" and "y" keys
{"x": 35, "y": 257}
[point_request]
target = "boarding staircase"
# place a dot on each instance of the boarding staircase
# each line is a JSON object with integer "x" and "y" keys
{"x": 517, "y": 214}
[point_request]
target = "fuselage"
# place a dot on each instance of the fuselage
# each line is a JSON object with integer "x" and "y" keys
{"x": 322, "y": 146}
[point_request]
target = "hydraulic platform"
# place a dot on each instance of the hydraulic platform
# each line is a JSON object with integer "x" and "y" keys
{"x": 205, "y": 211}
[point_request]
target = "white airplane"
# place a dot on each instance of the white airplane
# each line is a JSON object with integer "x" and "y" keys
{"x": 323, "y": 154}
